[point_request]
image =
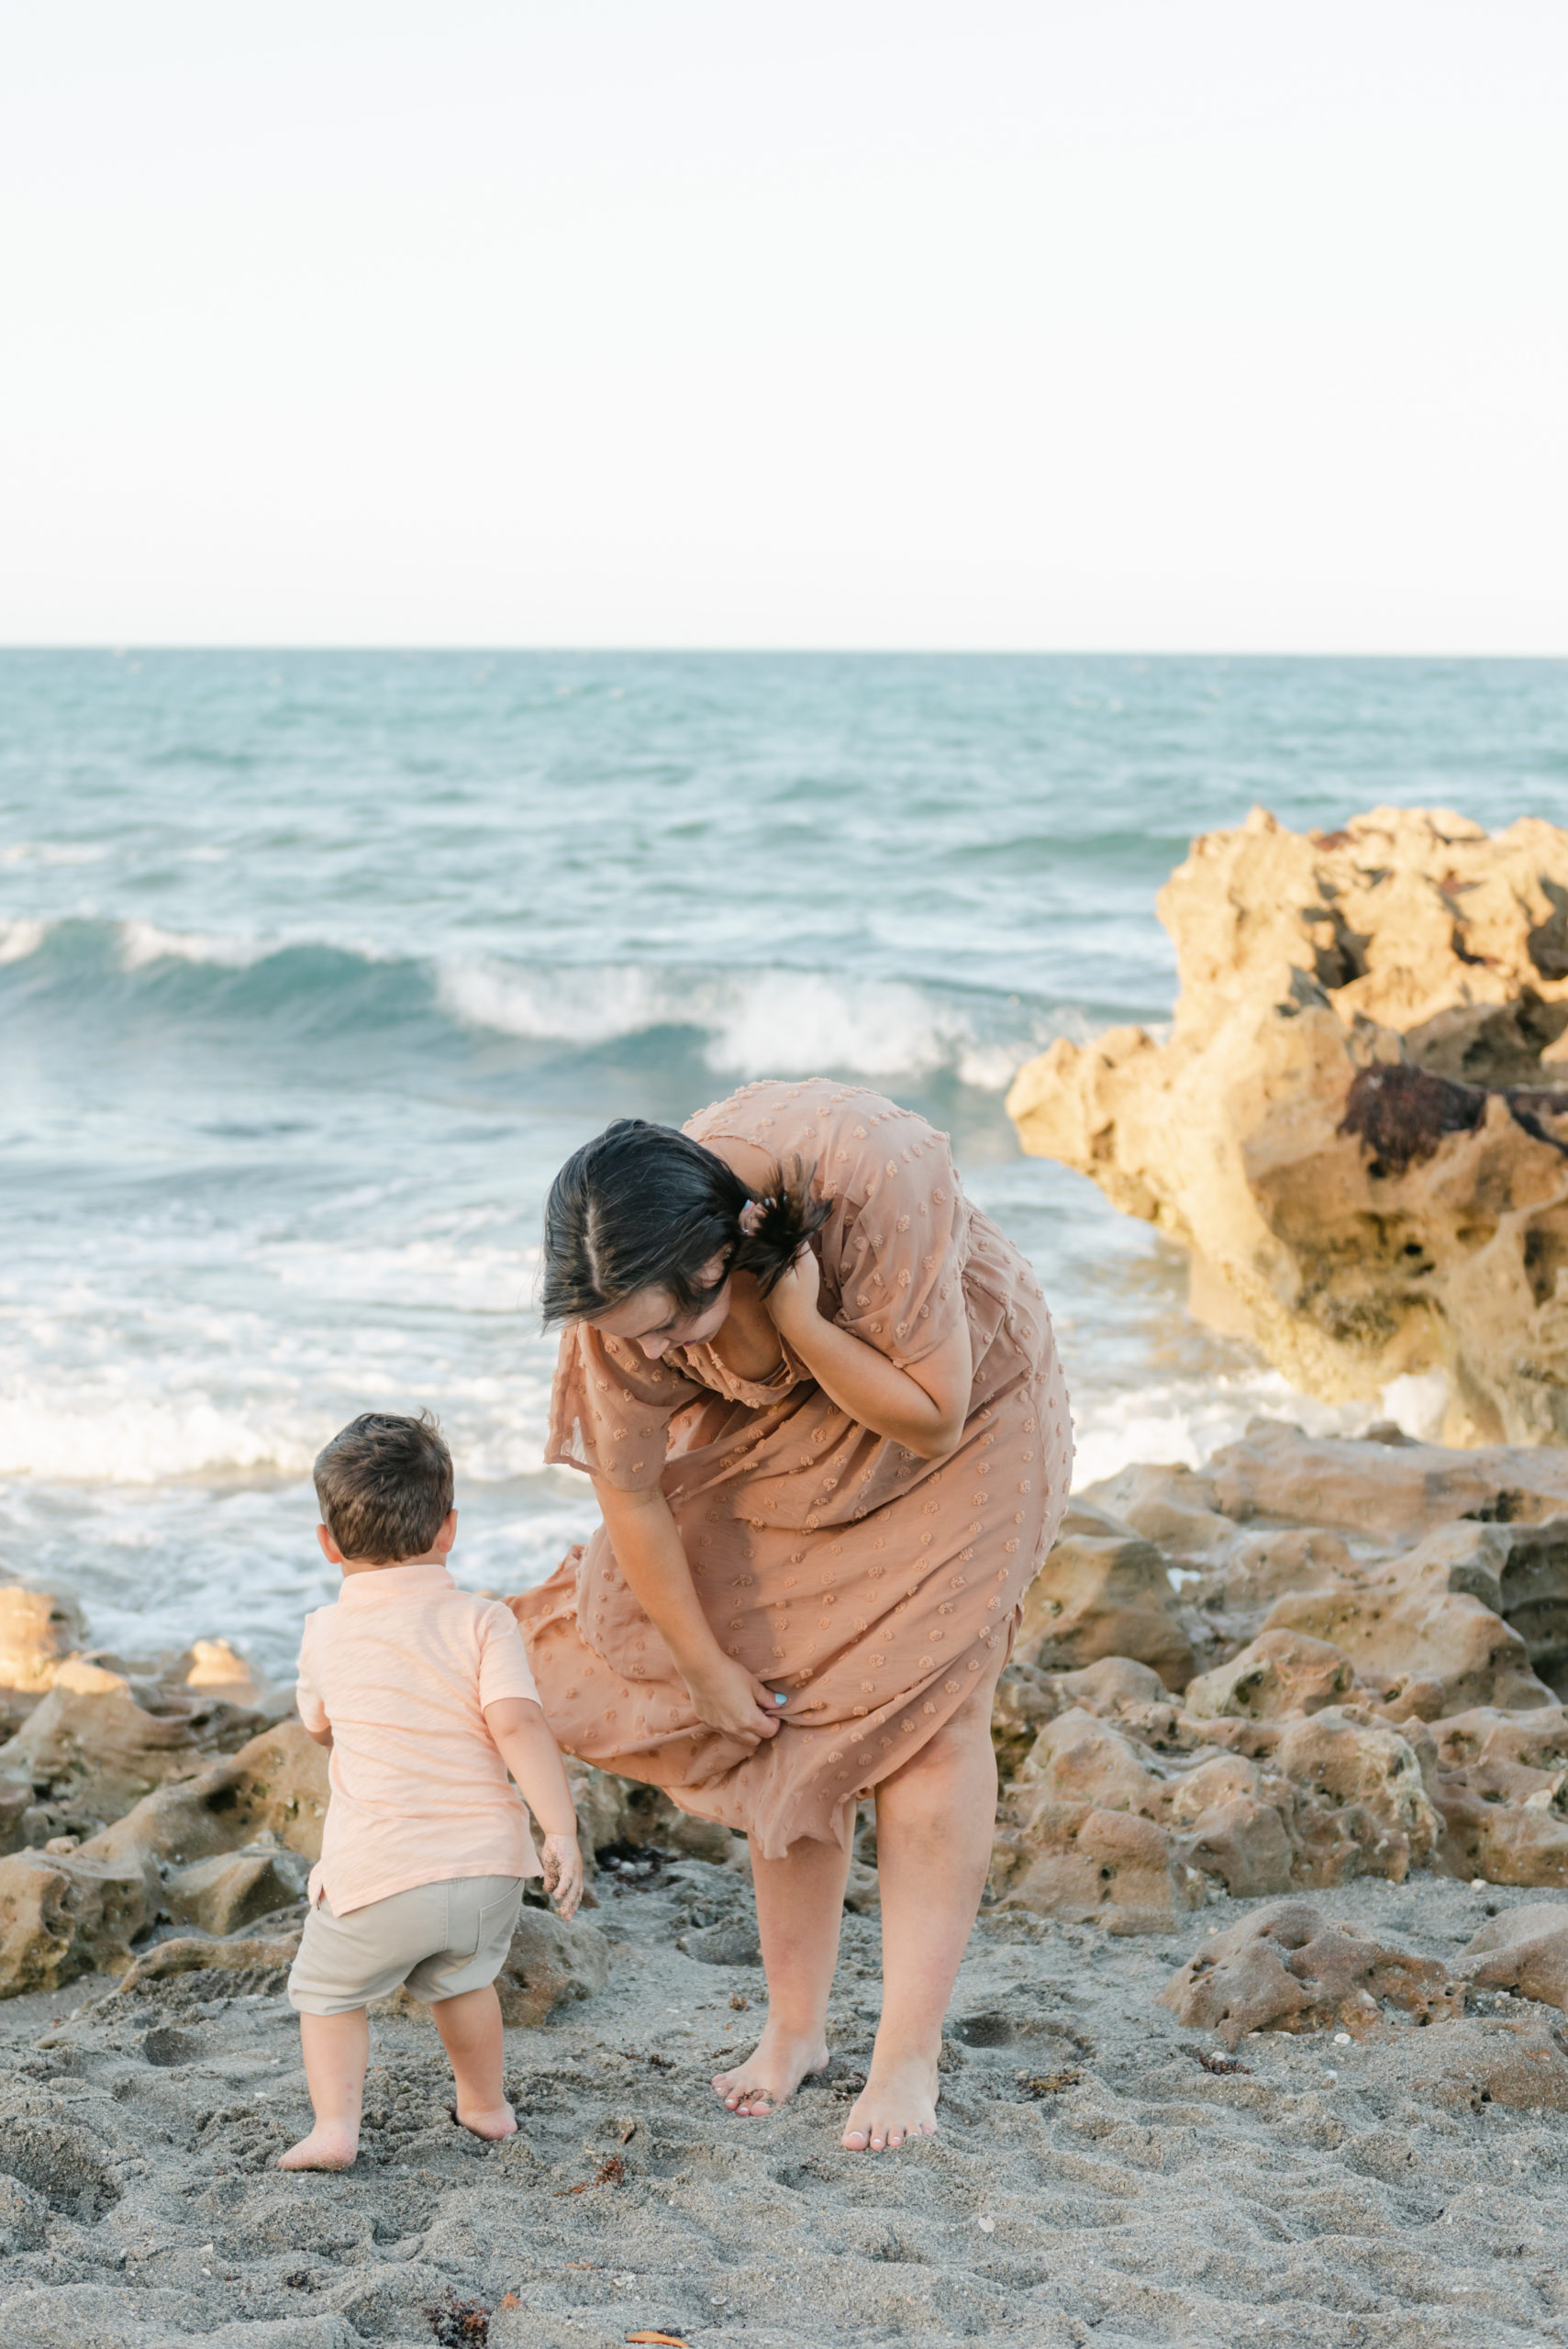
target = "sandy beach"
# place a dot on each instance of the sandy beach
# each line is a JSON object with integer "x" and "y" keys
{"x": 1093, "y": 2179}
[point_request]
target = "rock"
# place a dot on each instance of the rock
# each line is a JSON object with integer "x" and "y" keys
{"x": 1502, "y": 1789}
{"x": 1481, "y": 2061}
{"x": 1025, "y": 1700}
{"x": 1245, "y": 1844}
{"x": 232, "y": 1889}
{"x": 1078, "y": 1759}
{"x": 1525, "y": 1950}
{"x": 1279, "y": 1672}
{"x": 1103, "y": 1866}
{"x": 17, "y": 1806}
{"x": 1289, "y": 1968}
{"x": 1519, "y": 1571}
{"x": 37, "y": 1631}
{"x": 1393, "y": 1494}
{"x": 199, "y": 1953}
{"x": 1356, "y": 1127}
{"x": 92, "y": 1747}
{"x": 550, "y": 1963}
{"x": 623, "y": 1815}
{"x": 1392, "y": 1626}
{"x": 733, "y": 1941}
{"x": 1366, "y": 1808}
{"x": 276, "y": 1788}
{"x": 1101, "y": 1595}
{"x": 214, "y": 1669}
{"x": 64, "y": 1916}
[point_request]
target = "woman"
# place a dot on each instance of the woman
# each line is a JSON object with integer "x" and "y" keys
{"x": 819, "y": 1400}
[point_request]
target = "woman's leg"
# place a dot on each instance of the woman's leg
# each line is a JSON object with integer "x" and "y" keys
{"x": 934, "y": 1821}
{"x": 800, "y": 1906}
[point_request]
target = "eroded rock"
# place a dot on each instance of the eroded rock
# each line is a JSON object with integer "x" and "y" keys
{"x": 1357, "y": 1126}
{"x": 65, "y": 1915}
{"x": 1279, "y": 1673}
{"x": 1104, "y": 1593}
{"x": 232, "y": 1889}
{"x": 1107, "y": 1866}
{"x": 94, "y": 1747}
{"x": 552, "y": 1962}
{"x": 1290, "y": 1968}
{"x": 1520, "y": 2063}
{"x": 1525, "y": 1950}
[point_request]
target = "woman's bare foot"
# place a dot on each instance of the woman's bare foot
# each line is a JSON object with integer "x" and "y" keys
{"x": 500, "y": 2121}
{"x": 325, "y": 2148}
{"x": 769, "y": 2075}
{"x": 898, "y": 2101}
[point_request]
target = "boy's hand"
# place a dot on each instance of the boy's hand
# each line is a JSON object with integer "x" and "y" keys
{"x": 563, "y": 1865}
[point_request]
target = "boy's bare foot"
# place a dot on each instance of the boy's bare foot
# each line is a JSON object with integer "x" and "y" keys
{"x": 769, "y": 2075}
{"x": 898, "y": 2101}
{"x": 499, "y": 2120}
{"x": 326, "y": 2148}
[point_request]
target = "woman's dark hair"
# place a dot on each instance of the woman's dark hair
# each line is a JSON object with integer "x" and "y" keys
{"x": 644, "y": 1207}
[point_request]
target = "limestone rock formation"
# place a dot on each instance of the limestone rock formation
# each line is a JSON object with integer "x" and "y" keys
{"x": 1368, "y": 1704}
{"x": 1288, "y": 1968}
{"x": 94, "y": 1745}
{"x": 1517, "y": 2062}
{"x": 61, "y": 1916}
{"x": 1525, "y": 1951}
{"x": 1104, "y": 1591}
{"x": 1414, "y": 1559}
{"x": 552, "y": 1961}
{"x": 37, "y": 1631}
{"x": 1279, "y": 1673}
{"x": 1359, "y": 1127}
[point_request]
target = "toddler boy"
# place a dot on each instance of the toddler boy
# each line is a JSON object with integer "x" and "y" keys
{"x": 424, "y": 1695}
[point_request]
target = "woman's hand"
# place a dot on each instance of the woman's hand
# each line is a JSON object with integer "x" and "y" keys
{"x": 726, "y": 1697}
{"x": 563, "y": 1865}
{"x": 793, "y": 1300}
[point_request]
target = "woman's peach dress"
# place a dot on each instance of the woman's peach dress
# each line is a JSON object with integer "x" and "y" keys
{"x": 873, "y": 1585}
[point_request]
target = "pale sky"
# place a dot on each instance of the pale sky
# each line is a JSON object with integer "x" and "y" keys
{"x": 1127, "y": 324}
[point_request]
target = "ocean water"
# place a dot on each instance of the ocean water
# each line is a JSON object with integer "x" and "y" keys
{"x": 314, "y": 966}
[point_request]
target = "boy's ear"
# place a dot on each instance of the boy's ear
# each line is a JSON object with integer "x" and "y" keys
{"x": 330, "y": 1549}
{"x": 448, "y": 1534}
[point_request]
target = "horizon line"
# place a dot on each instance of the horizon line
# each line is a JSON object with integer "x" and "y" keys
{"x": 122, "y": 648}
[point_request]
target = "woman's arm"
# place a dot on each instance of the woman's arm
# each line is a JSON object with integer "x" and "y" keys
{"x": 651, "y": 1555}
{"x": 923, "y": 1408}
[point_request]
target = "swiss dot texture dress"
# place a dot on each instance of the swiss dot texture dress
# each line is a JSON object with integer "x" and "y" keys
{"x": 873, "y": 1585}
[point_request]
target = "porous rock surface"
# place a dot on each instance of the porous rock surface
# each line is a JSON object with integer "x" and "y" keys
{"x": 1365, "y": 1623}
{"x": 1358, "y": 1125}
{"x": 1289, "y": 1968}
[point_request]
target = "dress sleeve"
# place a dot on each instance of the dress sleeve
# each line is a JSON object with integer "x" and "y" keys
{"x": 504, "y": 1668}
{"x": 611, "y": 1408}
{"x": 903, "y": 1238}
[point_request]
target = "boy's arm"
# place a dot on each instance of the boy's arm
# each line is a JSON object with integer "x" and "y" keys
{"x": 308, "y": 1698}
{"x": 523, "y": 1740}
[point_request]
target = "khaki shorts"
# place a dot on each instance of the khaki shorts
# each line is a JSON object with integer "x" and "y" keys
{"x": 437, "y": 1939}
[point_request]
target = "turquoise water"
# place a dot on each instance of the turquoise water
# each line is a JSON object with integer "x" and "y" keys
{"x": 312, "y": 966}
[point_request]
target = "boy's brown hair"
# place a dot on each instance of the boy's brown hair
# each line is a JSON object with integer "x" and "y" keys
{"x": 385, "y": 1485}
